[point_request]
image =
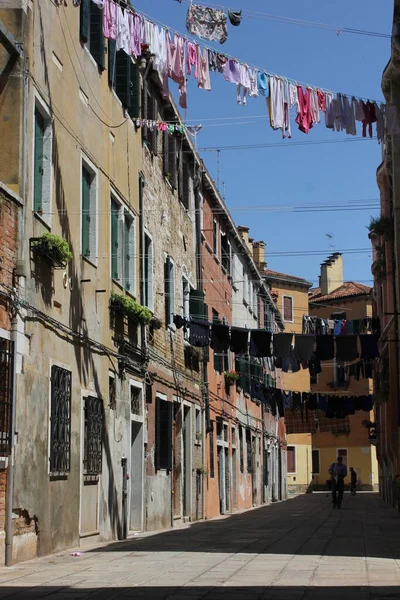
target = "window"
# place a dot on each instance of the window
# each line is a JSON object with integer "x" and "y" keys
{"x": 150, "y": 113}
{"x": 242, "y": 366}
{"x": 212, "y": 450}
{"x": 341, "y": 375}
{"x": 171, "y": 159}
{"x": 185, "y": 183}
{"x": 241, "y": 449}
{"x": 93, "y": 436}
{"x": 148, "y": 260}
{"x": 136, "y": 400}
{"x": 60, "y": 420}
{"x": 89, "y": 212}
{"x": 197, "y": 308}
{"x": 185, "y": 298}
{"x": 199, "y": 427}
{"x": 215, "y": 237}
{"x": 291, "y": 459}
{"x": 249, "y": 451}
{"x": 112, "y": 390}
{"x": 268, "y": 317}
{"x": 124, "y": 78}
{"x": 225, "y": 253}
{"x": 288, "y": 308}
{"x": 315, "y": 462}
{"x": 245, "y": 285}
{"x": 343, "y": 453}
{"x": 122, "y": 246}
{"x": 163, "y": 434}
{"x": 91, "y": 31}
{"x": 42, "y": 162}
{"x": 6, "y": 385}
{"x": 221, "y": 359}
{"x": 169, "y": 290}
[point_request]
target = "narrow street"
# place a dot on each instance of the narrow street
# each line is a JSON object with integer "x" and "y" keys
{"x": 299, "y": 549}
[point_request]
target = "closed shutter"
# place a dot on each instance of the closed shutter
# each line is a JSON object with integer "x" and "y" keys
{"x": 96, "y": 39}
{"x": 291, "y": 459}
{"x": 114, "y": 240}
{"x": 163, "y": 458}
{"x": 287, "y": 308}
{"x": 112, "y": 56}
{"x": 158, "y": 434}
{"x": 85, "y": 212}
{"x": 315, "y": 461}
{"x": 196, "y": 304}
{"x": 167, "y": 290}
{"x": 186, "y": 191}
{"x": 134, "y": 109}
{"x": 84, "y": 20}
{"x": 123, "y": 77}
{"x": 38, "y": 166}
{"x": 127, "y": 258}
{"x": 172, "y": 162}
{"x": 169, "y": 408}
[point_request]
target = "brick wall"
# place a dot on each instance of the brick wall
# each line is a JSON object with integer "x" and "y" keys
{"x": 8, "y": 251}
{"x": 3, "y": 482}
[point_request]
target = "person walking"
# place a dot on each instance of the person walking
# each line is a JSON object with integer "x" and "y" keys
{"x": 337, "y": 471}
{"x": 353, "y": 481}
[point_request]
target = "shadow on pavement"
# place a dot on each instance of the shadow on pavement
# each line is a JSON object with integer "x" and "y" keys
{"x": 203, "y": 592}
{"x": 305, "y": 525}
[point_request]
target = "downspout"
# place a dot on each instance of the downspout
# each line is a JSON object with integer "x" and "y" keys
{"x": 142, "y": 183}
{"x": 10, "y": 466}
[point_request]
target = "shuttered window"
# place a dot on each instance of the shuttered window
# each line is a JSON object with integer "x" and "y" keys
{"x": 114, "y": 240}
{"x": 124, "y": 78}
{"x": 163, "y": 434}
{"x": 169, "y": 290}
{"x": 129, "y": 253}
{"x": 288, "y": 308}
{"x": 170, "y": 159}
{"x": 212, "y": 451}
{"x": 241, "y": 449}
{"x": 291, "y": 459}
{"x": 249, "y": 451}
{"x": 91, "y": 30}
{"x": 86, "y": 181}
{"x": 38, "y": 161}
{"x": 148, "y": 272}
{"x": 315, "y": 462}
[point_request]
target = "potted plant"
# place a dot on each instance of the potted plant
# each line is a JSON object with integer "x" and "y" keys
{"x": 203, "y": 470}
{"x": 231, "y": 377}
{"x": 381, "y": 226}
{"x": 155, "y": 322}
{"x": 129, "y": 307}
{"x": 53, "y": 247}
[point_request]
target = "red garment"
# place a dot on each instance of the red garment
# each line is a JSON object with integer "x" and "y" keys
{"x": 304, "y": 119}
{"x": 321, "y": 100}
{"x": 370, "y": 117}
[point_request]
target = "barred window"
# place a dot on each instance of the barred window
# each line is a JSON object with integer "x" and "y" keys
{"x": 93, "y": 436}
{"x": 60, "y": 420}
{"x": 6, "y": 382}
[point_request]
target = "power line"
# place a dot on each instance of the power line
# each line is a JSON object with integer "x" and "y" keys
{"x": 283, "y": 145}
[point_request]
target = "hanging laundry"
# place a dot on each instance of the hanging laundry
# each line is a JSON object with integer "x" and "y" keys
{"x": 221, "y": 62}
{"x": 314, "y": 106}
{"x": 321, "y": 100}
{"x": 358, "y": 108}
{"x": 260, "y": 343}
{"x": 110, "y": 20}
{"x": 370, "y": 118}
{"x": 203, "y": 70}
{"x": 349, "y": 119}
{"x": 325, "y": 347}
{"x": 160, "y": 56}
{"x": 329, "y": 111}
{"x": 367, "y": 403}
{"x": 136, "y": 25}
{"x": 100, "y": 3}
{"x": 219, "y": 337}
{"x": 235, "y": 18}
{"x": 304, "y": 347}
{"x": 314, "y": 366}
{"x": 369, "y": 346}
{"x": 239, "y": 340}
{"x": 244, "y": 85}
{"x": 287, "y": 399}
{"x": 276, "y": 103}
{"x": 232, "y": 71}
{"x": 179, "y": 321}
{"x": 312, "y": 401}
{"x": 282, "y": 344}
{"x": 263, "y": 84}
{"x": 253, "y": 91}
{"x": 207, "y": 23}
{"x": 212, "y": 60}
{"x": 176, "y": 67}
{"x": 304, "y": 119}
{"x": 191, "y": 58}
{"x": 199, "y": 333}
{"x": 337, "y": 329}
{"x": 346, "y": 348}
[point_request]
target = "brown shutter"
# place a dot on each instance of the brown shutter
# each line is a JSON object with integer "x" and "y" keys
{"x": 291, "y": 460}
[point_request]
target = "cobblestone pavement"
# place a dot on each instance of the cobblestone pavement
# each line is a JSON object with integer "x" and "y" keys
{"x": 300, "y": 549}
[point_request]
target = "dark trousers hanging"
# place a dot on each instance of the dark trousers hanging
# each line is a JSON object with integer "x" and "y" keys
{"x": 337, "y": 492}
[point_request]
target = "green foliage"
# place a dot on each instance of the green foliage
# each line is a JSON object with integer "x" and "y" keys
{"x": 231, "y": 376}
{"x": 381, "y": 226}
{"x": 54, "y": 247}
{"x": 131, "y": 308}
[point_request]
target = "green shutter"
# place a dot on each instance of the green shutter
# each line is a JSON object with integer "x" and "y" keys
{"x": 112, "y": 57}
{"x": 114, "y": 239}
{"x": 167, "y": 289}
{"x": 85, "y": 212}
{"x": 134, "y": 106}
{"x": 85, "y": 20}
{"x": 144, "y": 110}
{"x": 96, "y": 35}
{"x": 166, "y": 154}
{"x": 218, "y": 364}
{"x": 127, "y": 257}
{"x": 158, "y": 434}
{"x": 38, "y": 166}
{"x": 196, "y": 304}
{"x": 122, "y": 77}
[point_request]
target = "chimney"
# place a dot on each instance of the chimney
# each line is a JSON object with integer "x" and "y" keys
{"x": 259, "y": 254}
{"x": 244, "y": 234}
{"x": 331, "y": 277}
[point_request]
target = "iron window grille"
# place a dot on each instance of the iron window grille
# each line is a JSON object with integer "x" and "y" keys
{"x": 93, "y": 436}
{"x": 6, "y": 390}
{"x": 60, "y": 420}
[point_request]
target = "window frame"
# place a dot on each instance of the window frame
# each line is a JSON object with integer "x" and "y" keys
{"x": 123, "y": 214}
{"x": 163, "y": 456}
{"x": 215, "y": 245}
{"x": 51, "y": 440}
{"x": 241, "y": 449}
{"x": 148, "y": 282}
{"x": 292, "y": 308}
{"x": 89, "y": 427}
{"x": 212, "y": 450}
{"x": 172, "y": 292}
{"x": 294, "y": 472}
{"x": 312, "y": 461}
{"x": 226, "y": 250}
{"x": 87, "y": 165}
{"x": 87, "y": 40}
{"x": 44, "y": 213}
{"x": 249, "y": 455}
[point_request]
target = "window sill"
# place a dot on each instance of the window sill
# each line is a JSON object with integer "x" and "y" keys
{"x": 89, "y": 534}
{"x": 245, "y": 302}
{"x": 119, "y": 285}
{"x": 197, "y": 443}
{"x": 216, "y": 259}
{"x": 41, "y": 219}
{"x": 88, "y": 260}
{"x": 208, "y": 247}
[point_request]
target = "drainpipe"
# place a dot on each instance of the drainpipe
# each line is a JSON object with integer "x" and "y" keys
{"x": 142, "y": 183}
{"x": 10, "y": 466}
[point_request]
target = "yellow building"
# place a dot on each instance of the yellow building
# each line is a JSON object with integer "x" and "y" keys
{"x": 290, "y": 293}
{"x": 336, "y": 299}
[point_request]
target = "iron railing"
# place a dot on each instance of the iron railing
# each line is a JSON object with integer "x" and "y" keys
{"x": 60, "y": 436}
{"x": 93, "y": 436}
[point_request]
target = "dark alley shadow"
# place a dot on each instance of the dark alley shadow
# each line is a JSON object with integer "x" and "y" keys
{"x": 52, "y": 592}
{"x": 305, "y": 525}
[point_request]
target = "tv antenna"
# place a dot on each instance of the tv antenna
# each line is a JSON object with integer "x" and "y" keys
{"x": 330, "y": 237}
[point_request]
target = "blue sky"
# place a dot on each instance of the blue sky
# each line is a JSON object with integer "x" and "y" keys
{"x": 297, "y": 175}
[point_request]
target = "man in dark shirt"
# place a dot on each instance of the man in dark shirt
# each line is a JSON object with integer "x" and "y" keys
{"x": 353, "y": 481}
{"x": 338, "y": 471}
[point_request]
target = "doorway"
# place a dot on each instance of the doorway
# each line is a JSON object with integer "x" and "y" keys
{"x": 136, "y": 477}
{"x": 234, "y": 479}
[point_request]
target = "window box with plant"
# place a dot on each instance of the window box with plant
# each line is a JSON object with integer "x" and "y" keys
{"x": 231, "y": 377}
{"x": 127, "y": 306}
{"x": 53, "y": 248}
{"x": 381, "y": 226}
